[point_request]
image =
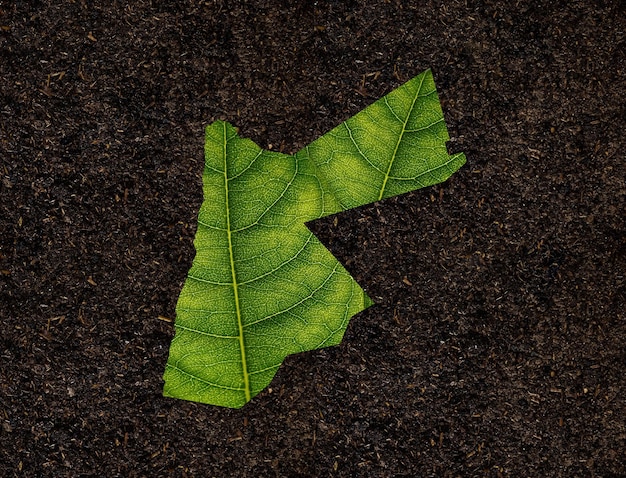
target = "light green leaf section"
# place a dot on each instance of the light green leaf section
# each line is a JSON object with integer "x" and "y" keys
{"x": 262, "y": 286}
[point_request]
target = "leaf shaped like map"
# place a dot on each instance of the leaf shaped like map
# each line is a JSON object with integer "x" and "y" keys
{"x": 262, "y": 286}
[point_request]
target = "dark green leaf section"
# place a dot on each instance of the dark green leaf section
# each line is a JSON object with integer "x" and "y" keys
{"x": 261, "y": 286}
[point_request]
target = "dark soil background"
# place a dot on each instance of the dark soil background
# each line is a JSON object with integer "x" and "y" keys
{"x": 498, "y": 345}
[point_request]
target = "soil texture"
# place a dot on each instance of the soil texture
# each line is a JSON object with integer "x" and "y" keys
{"x": 498, "y": 343}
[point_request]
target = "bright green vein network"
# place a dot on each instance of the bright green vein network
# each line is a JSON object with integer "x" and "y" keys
{"x": 261, "y": 286}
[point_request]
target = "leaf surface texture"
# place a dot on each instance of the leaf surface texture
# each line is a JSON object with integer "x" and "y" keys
{"x": 261, "y": 285}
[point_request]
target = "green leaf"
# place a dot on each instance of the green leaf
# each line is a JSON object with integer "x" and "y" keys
{"x": 262, "y": 286}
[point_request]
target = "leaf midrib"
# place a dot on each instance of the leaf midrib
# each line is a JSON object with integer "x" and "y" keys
{"x": 242, "y": 345}
{"x": 395, "y": 151}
